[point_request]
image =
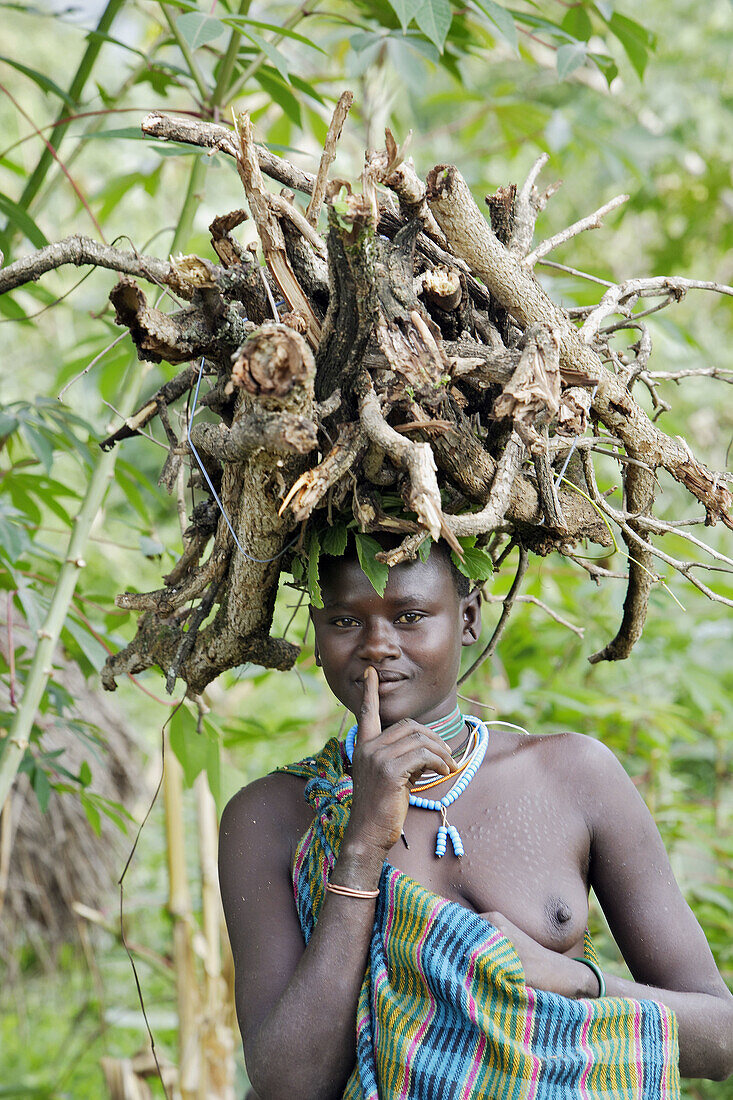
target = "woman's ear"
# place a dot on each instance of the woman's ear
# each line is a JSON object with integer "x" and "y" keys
{"x": 471, "y": 618}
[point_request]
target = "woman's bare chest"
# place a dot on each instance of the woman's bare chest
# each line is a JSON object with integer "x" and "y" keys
{"x": 526, "y": 855}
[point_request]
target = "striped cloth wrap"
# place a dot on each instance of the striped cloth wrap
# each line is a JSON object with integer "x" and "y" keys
{"x": 444, "y": 1011}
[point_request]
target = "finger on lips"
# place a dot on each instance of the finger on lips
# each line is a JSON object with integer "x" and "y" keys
{"x": 369, "y": 724}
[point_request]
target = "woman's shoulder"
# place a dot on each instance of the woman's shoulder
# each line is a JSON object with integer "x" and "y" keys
{"x": 580, "y": 766}
{"x": 275, "y": 804}
{"x": 269, "y": 814}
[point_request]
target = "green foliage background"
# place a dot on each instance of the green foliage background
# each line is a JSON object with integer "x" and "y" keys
{"x": 619, "y": 107}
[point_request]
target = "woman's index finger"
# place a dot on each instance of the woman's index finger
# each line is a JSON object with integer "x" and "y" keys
{"x": 369, "y": 723}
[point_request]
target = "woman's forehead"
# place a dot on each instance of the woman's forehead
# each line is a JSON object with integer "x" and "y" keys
{"x": 343, "y": 578}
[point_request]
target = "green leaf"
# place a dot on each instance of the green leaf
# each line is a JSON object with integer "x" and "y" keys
{"x": 314, "y": 587}
{"x": 93, "y": 650}
{"x": 414, "y": 41}
{"x": 434, "y": 18}
{"x": 19, "y": 217}
{"x": 280, "y": 32}
{"x": 13, "y": 311}
{"x": 92, "y": 813}
{"x": 577, "y": 22}
{"x": 334, "y": 540}
{"x": 85, "y": 773}
{"x": 190, "y": 746}
{"x": 126, "y": 476}
{"x": 502, "y": 20}
{"x": 308, "y": 89}
{"x": 133, "y": 133}
{"x": 477, "y": 564}
{"x": 44, "y": 82}
{"x": 151, "y": 548}
{"x": 636, "y": 40}
{"x": 13, "y": 538}
{"x": 278, "y": 59}
{"x": 604, "y": 8}
{"x": 297, "y": 568}
{"x": 198, "y": 29}
{"x": 42, "y": 787}
{"x": 40, "y": 446}
{"x": 376, "y": 572}
{"x": 405, "y": 10}
{"x": 8, "y": 424}
{"x": 101, "y": 36}
{"x": 606, "y": 64}
{"x": 569, "y": 58}
{"x": 33, "y": 607}
{"x": 270, "y": 82}
{"x": 424, "y": 549}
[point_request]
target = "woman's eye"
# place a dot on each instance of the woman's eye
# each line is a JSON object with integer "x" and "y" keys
{"x": 344, "y": 620}
{"x": 410, "y": 617}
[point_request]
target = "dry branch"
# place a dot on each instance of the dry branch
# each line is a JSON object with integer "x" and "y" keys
{"x": 268, "y": 228}
{"x": 460, "y": 218}
{"x": 435, "y": 371}
{"x": 424, "y": 498}
{"x": 592, "y": 221}
{"x": 328, "y": 156}
{"x": 220, "y": 139}
{"x": 81, "y": 251}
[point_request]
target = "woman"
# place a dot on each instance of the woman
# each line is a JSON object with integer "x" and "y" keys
{"x": 398, "y": 970}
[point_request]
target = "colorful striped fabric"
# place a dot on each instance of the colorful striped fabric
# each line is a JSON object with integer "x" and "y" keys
{"x": 444, "y": 1012}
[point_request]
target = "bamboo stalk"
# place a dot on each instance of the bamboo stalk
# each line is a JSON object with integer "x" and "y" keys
{"x": 259, "y": 61}
{"x": 217, "y": 1036}
{"x": 207, "y": 827}
{"x": 16, "y": 740}
{"x": 221, "y": 91}
{"x": 190, "y": 203}
{"x": 193, "y": 67}
{"x": 179, "y": 906}
{"x": 6, "y": 845}
{"x": 76, "y": 88}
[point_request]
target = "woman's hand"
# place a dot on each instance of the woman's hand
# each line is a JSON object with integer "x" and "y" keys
{"x": 543, "y": 968}
{"x": 386, "y": 763}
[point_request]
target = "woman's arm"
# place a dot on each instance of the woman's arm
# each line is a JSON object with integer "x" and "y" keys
{"x": 297, "y": 1005}
{"x": 659, "y": 937}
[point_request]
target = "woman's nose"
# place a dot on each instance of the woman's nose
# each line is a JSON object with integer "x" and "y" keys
{"x": 378, "y": 640}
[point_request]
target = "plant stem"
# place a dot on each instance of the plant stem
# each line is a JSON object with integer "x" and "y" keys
{"x": 96, "y": 124}
{"x": 258, "y": 62}
{"x": 74, "y": 94}
{"x": 188, "y": 210}
{"x": 221, "y": 94}
{"x": 187, "y": 52}
{"x": 18, "y": 736}
{"x": 179, "y": 906}
{"x": 17, "y": 739}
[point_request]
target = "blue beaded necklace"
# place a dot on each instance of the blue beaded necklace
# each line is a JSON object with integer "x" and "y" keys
{"x": 441, "y": 805}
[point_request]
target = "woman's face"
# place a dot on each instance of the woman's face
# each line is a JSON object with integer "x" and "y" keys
{"x": 412, "y": 636}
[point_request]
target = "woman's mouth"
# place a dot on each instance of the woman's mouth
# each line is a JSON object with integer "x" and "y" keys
{"x": 386, "y": 677}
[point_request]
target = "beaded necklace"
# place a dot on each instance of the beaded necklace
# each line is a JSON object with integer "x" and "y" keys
{"x": 432, "y": 779}
{"x": 448, "y": 727}
{"x": 440, "y": 806}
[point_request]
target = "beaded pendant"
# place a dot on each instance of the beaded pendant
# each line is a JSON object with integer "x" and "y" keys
{"x": 445, "y": 831}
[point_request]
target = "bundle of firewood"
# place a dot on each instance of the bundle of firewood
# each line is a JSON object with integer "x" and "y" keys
{"x": 408, "y": 355}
